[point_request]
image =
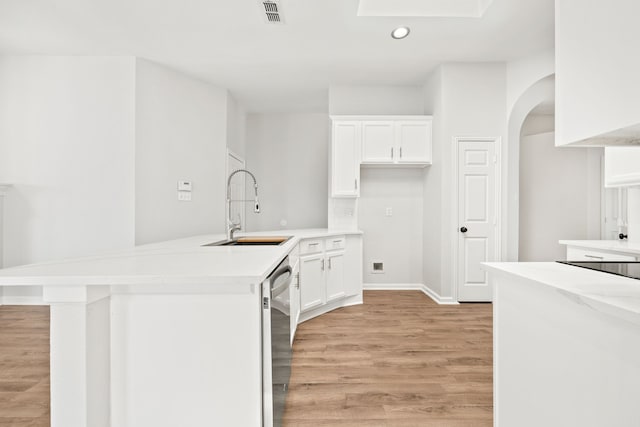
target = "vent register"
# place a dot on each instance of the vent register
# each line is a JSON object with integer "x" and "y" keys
{"x": 272, "y": 10}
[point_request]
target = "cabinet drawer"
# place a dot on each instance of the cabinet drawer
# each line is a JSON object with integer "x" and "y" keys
{"x": 579, "y": 254}
{"x": 335, "y": 242}
{"x": 311, "y": 246}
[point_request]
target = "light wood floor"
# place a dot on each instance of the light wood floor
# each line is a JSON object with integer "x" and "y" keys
{"x": 24, "y": 366}
{"x": 398, "y": 360}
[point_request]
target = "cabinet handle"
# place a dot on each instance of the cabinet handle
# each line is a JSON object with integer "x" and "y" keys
{"x": 391, "y": 152}
{"x": 355, "y": 183}
{"x": 322, "y": 266}
{"x": 329, "y": 263}
{"x": 400, "y": 152}
{"x": 593, "y": 256}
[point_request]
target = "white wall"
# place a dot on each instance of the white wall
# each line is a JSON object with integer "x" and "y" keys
{"x": 525, "y": 72}
{"x": 67, "y": 145}
{"x": 471, "y": 101}
{"x": 288, "y": 154}
{"x": 597, "y": 67}
{"x": 375, "y": 100}
{"x": 395, "y": 240}
{"x": 538, "y": 123}
{"x": 181, "y": 134}
{"x": 432, "y": 211}
{"x": 556, "y": 190}
{"x": 236, "y": 127}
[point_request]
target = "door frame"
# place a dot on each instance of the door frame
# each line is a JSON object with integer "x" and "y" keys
{"x": 455, "y": 208}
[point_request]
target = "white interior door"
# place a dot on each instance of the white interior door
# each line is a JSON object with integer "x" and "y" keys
{"x": 477, "y": 217}
{"x": 238, "y": 187}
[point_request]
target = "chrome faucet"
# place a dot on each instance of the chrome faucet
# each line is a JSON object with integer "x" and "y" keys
{"x": 232, "y": 227}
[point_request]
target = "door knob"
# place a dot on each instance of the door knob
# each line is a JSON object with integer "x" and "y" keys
{"x": 463, "y": 229}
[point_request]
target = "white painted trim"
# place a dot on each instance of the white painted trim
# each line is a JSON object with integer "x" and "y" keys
{"x": 455, "y": 207}
{"x": 410, "y": 287}
{"x": 437, "y": 298}
{"x": 392, "y": 286}
{"x": 17, "y": 300}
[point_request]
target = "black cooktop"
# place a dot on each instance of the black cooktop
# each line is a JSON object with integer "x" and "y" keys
{"x": 627, "y": 269}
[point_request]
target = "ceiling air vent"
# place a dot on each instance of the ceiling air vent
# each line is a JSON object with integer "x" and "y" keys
{"x": 272, "y": 11}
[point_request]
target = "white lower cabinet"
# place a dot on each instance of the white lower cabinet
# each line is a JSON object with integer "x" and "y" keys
{"x": 330, "y": 271}
{"x": 312, "y": 281}
{"x": 335, "y": 275}
{"x": 582, "y": 254}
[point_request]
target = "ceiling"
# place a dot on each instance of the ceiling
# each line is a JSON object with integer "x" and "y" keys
{"x": 271, "y": 67}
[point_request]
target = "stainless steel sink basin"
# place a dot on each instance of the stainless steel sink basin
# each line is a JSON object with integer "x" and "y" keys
{"x": 252, "y": 241}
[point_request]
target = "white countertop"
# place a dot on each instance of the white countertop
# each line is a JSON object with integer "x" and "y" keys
{"x": 622, "y": 246}
{"x": 607, "y": 293}
{"x": 176, "y": 262}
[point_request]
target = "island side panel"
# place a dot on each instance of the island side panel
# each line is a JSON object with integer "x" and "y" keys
{"x": 80, "y": 350}
{"x": 560, "y": 362}
{"x": 187, "y": 359}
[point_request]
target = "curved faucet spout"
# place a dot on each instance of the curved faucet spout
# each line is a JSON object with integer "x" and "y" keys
{"x": 231, "y": 226}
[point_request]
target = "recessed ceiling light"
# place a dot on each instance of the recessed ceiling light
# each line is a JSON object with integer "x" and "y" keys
{"x": 400, "y": 32}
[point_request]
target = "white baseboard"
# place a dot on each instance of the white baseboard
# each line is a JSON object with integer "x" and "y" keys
{"x": 392, "y": 286}
{"x": 16, "y": 300}
{"x": 437, "y": 298}
{"x": 410, "y": 287}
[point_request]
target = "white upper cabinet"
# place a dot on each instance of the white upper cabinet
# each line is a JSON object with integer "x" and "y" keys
{"x": 621, "y": 166}
{"x": 597, "y": 69}
{"x": 397, "y": 141}
{"x": 413, "y": 139}
{"x": 387, "y": 140}
{"x": 378, "y": 141}
{"x": 345, "y": 159}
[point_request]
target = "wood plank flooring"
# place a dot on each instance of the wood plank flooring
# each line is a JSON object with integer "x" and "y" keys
{"x": 398, "y": 360}
{"x": 24, "y": 366}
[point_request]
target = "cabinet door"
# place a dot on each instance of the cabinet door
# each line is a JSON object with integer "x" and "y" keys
{"x": 312, "y": 282}
{"x": 413, "y": 139}
{"x": 378, "y": 142}
{"x": 345, "y": 159}
{"x": 335, "y": 276}
{"x": 294, "y": 296}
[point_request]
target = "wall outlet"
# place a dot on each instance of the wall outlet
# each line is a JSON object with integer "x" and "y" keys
{"x": 388, "y": 212}
{"x": 184, "y": 196}
{"x": 377, "y": 267}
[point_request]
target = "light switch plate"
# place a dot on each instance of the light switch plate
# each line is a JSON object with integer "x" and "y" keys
{"x": 184, "y": 185}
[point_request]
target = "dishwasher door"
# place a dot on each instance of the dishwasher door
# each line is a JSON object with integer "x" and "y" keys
{"x": 276, "y": 344}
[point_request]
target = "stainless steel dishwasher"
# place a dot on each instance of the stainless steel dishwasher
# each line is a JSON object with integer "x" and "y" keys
{"x": 276, "y": 344}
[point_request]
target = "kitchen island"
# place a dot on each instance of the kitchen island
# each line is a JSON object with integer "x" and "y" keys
{"x": 566, "y": 346}
{"x": 166, "y": 334}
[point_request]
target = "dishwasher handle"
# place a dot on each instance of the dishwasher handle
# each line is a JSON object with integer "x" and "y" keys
{"x": 275, "y": 276}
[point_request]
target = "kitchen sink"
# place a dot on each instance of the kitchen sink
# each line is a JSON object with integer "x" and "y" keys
{"x": 252, "y": 241}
